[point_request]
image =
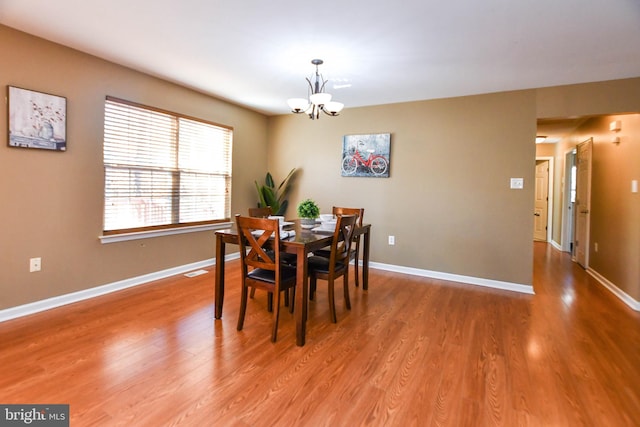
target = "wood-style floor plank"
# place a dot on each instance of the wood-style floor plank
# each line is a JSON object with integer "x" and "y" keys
{"x": 411, "y": 352}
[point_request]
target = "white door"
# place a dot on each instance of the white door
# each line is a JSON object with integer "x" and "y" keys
{"x": 583, "y": 201}
{"x": 541, "y": 206}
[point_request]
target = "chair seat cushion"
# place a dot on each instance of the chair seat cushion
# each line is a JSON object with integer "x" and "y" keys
{"x": 285, "y": 258}
{"x": 321, "y": 264}
{"x": 269, "y": 276}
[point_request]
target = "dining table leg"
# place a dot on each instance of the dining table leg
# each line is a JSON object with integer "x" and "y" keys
{"x": 302, "y": 296}
{"x": 219, "y": 284}
{"x": 365, "y": 260}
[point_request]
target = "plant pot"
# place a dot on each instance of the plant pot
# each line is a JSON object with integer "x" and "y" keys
{"x": 307, "y": 222}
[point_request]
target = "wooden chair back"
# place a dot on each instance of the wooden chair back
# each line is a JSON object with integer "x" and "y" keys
{"x": 260, "y": 212}
{"x": 342, "y": 240}
{"x": 358, "y": 212}
{"x": 256, "y": 249}
{"x": 336, "y": 264}
{"x": 355, "y": 255}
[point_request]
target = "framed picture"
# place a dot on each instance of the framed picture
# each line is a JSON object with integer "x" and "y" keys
{"x": 366, "y": 155}
{"x": 37, "y": 120}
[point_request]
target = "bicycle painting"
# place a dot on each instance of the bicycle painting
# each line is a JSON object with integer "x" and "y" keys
{"x": 366, "y": 155}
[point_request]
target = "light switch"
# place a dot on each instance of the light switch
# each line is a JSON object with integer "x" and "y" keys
{"x": 517, "y": 183}
{"x": 634, "y": 186}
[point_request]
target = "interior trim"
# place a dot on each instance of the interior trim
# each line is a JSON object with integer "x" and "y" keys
{"x": 468, "y": 280}
{"x": 59, "y": 301}
{"x": 113, "y": 238}
{"x": 626, "y": 298}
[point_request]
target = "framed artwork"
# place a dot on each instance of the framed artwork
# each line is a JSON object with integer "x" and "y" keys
{"x": 37, "y": 120}
{"x": 366, "y": 155}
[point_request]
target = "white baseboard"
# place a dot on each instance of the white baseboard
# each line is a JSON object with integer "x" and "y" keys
{"x": 54, "y": 302}
{"x": 58, "y": 301}
{"x": 556, "y": 245}
{"x": 489, "y": 283}
{"x": 635, "y": 305}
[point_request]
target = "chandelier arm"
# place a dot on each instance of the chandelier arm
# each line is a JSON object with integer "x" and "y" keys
{"x": 315, "y": 96}
{"x": 313, "y": 113}
{"x": 328, "y": 113}
{"x": 324, "y": 82}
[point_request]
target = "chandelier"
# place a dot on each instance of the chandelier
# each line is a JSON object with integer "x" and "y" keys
{"x": 318, "y": 100}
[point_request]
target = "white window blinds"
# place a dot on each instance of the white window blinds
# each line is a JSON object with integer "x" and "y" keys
{"x": 163, "y": 169}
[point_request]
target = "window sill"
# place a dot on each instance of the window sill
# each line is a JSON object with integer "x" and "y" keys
{"x": 113, "y": 238}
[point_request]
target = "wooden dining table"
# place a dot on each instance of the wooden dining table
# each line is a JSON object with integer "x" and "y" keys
{"x": 303, "y": 242}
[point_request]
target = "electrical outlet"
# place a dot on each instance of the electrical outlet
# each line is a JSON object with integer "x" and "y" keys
{"x": 35, "y": 264}
{"x": 517, "y": 183}
{"x": 392, "y": 240}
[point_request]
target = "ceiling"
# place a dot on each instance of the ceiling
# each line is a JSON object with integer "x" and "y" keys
{"x": 556, "y": 129}
{"x": 257, "y": 53}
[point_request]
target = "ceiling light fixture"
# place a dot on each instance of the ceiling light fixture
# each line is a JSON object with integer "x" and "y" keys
{"x": 540, "y": 139}
{"x": 318, "y": 100}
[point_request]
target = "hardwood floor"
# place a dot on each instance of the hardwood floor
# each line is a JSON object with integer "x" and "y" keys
{"x": 411, "y": 352}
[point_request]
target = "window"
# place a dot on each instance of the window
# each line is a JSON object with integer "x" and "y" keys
{"x": 163, "y": 170}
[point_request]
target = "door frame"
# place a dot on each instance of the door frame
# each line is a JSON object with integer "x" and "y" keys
{"x": 550, "y": 195}
{"x": 568, "y": 211}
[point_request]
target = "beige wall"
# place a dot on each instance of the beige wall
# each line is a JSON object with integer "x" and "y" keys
{"x": 448, "y": 201}
{"x": 588, "y": 99}
{"x": 545, "y": 150}
{"x": 615, "y": 210}
{"x": 51, "y": 202}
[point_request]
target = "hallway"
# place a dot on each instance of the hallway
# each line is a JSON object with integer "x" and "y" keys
{"x": 591, "y": 338}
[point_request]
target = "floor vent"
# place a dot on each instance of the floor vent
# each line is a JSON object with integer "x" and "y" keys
{"x": 196, "y": 273}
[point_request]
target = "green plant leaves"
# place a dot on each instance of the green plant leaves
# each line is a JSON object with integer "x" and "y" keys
{"x": 268, "y": 195}
{"x": 308, "y": 209}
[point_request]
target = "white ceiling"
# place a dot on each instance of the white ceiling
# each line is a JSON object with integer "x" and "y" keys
{"x": 257, "y": 52}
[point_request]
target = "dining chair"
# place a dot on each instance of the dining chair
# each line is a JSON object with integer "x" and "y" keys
{"x": 355, "y": 254}
{"x": 260, "y": 212}
{"x": 336, "y": 265}
{"x": 290, "y": 259}
{"x": 259, "y": 240}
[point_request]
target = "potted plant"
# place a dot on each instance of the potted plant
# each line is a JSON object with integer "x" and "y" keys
{"x": 269, "y": 195}
{"x": 308, "y": 211}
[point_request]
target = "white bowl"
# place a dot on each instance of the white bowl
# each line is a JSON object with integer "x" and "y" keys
{"x": 327, "y": 217}
{"x": 328, "y": 225}
{"x": 278, "y": 217}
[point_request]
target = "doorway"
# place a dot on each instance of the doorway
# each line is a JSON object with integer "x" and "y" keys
{"x": 583, "y": 202}
{"x": 543, "y": 204}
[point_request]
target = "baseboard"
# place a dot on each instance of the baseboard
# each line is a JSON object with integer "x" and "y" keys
{"x": 469, "y": 280}
{"x": 627, "y": 299}
{"x": 59, "y": 301}
{"x": 54, "y": 302}
{"x": 556, "y": 245}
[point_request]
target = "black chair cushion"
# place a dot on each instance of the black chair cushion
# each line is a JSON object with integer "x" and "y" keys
{"x": 321, "y": 264}
{"x": 269, "y": 276}
{"x": 291, "y": 259}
